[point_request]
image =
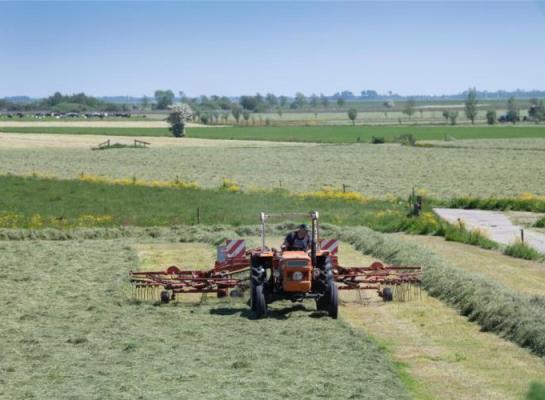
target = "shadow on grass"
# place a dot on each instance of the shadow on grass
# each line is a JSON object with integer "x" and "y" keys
{"x": 283, "y": 313}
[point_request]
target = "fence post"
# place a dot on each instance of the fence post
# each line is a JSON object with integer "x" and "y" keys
{"x": 522, "y": 235}
{"x": 198, "y": 216}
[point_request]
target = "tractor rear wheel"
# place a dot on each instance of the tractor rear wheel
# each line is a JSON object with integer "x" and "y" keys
{"x": 259, "y": 304}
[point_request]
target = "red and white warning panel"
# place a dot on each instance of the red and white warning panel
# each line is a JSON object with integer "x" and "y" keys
{"x": 235, "y": 248}
{"x": 331, "y": 245}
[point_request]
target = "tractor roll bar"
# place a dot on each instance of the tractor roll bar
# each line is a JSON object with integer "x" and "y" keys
{"x": 314, "y": 216}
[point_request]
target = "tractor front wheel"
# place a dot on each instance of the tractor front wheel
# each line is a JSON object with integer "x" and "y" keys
{"x": 259, "y": 304}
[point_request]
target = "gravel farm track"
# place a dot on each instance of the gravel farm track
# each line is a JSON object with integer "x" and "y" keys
{"x": 496, "y": 225}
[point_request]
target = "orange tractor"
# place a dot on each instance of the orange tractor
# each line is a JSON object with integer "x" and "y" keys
{"x": 271, "y": 275}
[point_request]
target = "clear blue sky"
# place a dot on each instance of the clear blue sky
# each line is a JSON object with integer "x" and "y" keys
{"x": 228, "y": 48}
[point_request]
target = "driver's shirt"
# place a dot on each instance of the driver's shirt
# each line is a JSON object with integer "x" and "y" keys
{"x": 298, "y": 243}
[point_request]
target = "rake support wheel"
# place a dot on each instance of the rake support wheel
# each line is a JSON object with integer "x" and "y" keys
{"x": 165, "y": 297}
{"x": 387, "y": 294}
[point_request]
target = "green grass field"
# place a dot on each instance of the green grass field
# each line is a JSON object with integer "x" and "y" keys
{"x": 70, "y": 331}
{"x": 349, "y": 134}
{"x": 319, "y": 134}
{"x": 158, "y": 132}
{"x": 73, "y": 203}
{"x": 374, "y": 170}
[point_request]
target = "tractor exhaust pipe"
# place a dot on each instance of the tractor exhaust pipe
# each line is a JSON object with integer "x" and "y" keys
{"x": 313, "y": 244}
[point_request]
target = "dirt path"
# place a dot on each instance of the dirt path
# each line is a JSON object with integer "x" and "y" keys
{"x": 496, "y": 224}
{"x": 521, "y": 275}
{"x": 46, "y": 140}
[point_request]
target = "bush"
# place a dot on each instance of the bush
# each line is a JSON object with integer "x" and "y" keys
{"x": 536, "y": 392}
{"x": 491, "y": 117}
{"x": 540, "y": 223}
{"x": 377, "y": 140}
{"x": 406, "y": 139}
{"x": 523, "y": 202}
{"x": 523, "y": 250}
{"x": 473, "y": 237}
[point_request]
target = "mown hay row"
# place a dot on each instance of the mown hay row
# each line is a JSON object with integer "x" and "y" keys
{"x": 495, "y": 308}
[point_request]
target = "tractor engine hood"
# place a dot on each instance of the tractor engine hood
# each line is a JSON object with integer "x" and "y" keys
{"x": 296, "y": 271}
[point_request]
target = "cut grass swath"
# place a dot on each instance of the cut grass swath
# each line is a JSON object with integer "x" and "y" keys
{"x": 72, "y": 331}
{"x": 495, "y": 308}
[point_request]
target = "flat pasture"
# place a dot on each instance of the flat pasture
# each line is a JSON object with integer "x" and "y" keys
{"x": 374, "y": 170}
{"x": 318, "y": 134}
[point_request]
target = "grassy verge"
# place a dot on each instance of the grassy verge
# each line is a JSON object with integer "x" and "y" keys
{"x": 109, "y": 131}
{"x": 91, "y": 339}
{"x": 33, "y": 202}
{"x": 29, "y": 202}
{"x": 494, "y": 307}
{"x": 540, "y": 223}
{"x": 523, "y": 202}
{"x": 461, "y": 234}
{"x": 523, "y": 276}
{"x": 321, "y": 134}
{"x": 522, "y": 250}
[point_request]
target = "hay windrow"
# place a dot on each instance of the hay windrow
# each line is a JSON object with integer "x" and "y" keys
{"x": 495, "y": 308}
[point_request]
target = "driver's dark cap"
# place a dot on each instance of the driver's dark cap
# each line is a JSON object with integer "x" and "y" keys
{"x": 303, "y": 226}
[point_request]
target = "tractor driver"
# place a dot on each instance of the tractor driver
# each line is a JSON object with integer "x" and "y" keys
{"x": 297, "y": 240}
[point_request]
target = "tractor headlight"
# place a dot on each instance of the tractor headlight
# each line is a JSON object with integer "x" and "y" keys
{"x": 297, "y": 276}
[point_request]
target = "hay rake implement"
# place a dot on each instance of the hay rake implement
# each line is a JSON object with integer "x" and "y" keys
{"x": 271, "y": 274}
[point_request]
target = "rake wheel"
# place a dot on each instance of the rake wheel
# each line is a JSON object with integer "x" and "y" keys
{"x": 387, "y": 294}
{"x": 165, "y": 297}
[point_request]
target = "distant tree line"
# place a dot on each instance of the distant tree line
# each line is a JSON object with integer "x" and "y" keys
{"x": 243, "y": 109}
{"x": 58, "y": 102}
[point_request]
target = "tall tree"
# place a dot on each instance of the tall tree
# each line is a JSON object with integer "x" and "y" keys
{"x": 314, "y": 101}
{"x": 352, "y": 115}
{"x": 164, "y": 98}
{"x": 246, "y": 115}
{"x": 145, "y": 103}
{"x": 471, "y": 105}
{"x": 271, "y": 100}
{"x": 300, "y": 100}
{"x": 513, "y": 112}
{"x": 237, "y": 112}
{"x": 177, "y": 118}
{"x": 410, "y": 107}
{"x": 491, "y": 117}
{"x": 324, "y": 101}
{"x": 340, "y": 102}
